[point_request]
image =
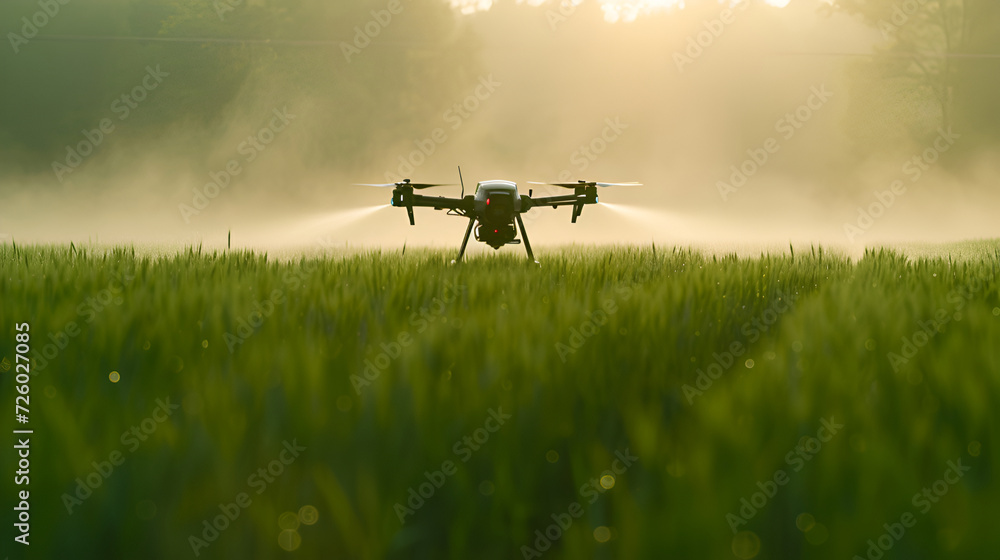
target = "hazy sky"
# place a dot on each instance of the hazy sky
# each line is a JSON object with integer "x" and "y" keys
{"x": 745, "y": 124}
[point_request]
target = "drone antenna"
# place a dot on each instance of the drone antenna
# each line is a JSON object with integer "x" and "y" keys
{"x": 461, "y": 181}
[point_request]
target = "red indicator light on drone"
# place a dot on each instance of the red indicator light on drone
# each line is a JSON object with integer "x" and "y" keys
{"x": 487, "y": 202}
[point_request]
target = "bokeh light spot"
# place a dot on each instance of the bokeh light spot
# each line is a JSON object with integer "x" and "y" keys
{"x": 114, "y": 377}
{"x": 602, "y": 534}
{"x": 552, "y": 456}
{"x": 289, "y": 540}
{"x": 805, "y": 522}
{"x": 746, "y": 545}
{"x": 608, "y": 481}
{"x": 975, "y": 448}
{"x": 308, "y": 515}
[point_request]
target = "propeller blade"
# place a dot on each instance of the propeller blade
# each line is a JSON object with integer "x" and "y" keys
{"x": 587, "y": 184}
{"x": 564, "y": 185}
{"x": 406, "y": 183}
{"x": 429, "y": 185}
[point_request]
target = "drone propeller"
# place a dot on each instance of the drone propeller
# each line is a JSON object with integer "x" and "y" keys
{"x": 587, "y": 184}
{"x": 405, "y": 183}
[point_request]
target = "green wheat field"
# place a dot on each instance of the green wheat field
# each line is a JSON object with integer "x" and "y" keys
{"x": 613, "y": 403}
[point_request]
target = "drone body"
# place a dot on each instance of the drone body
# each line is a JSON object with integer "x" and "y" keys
{"x": 494, "y": 211}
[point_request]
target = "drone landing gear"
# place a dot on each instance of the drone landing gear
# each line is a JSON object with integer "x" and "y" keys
{"x": 524, "y": 235}
{"x": 465, "y": 241}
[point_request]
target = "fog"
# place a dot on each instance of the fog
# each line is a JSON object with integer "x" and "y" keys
{"x": 750, "y": 126}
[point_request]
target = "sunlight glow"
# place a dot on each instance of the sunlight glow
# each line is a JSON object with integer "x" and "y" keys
{"x": 629, "y": 10}
{"x": 467, "y": 7}
{"x": 614, "y": 10}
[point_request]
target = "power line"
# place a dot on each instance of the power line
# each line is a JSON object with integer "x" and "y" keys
{"x": 219, "y": 40}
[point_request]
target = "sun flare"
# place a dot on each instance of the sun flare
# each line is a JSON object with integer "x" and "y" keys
{"x": 615, "y": 11}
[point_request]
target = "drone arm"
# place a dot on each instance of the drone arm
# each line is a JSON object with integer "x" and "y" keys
{"x": 564, "y": 200}
{"x": 441, "y": 202}
{"x": 405, "y": 198}
{"x": 583, "y": 195}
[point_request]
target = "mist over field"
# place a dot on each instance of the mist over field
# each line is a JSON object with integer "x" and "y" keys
{"x": 830, "y": 107}
{"x": 783, "y": 345}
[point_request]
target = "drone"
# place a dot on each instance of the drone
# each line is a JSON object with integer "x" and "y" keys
{"x": 495, "y": 206}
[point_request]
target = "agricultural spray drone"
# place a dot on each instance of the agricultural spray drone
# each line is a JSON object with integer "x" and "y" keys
{"x": 496, "y": 206}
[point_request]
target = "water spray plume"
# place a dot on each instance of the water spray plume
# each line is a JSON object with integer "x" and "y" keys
{"x": 307, "y": 230}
